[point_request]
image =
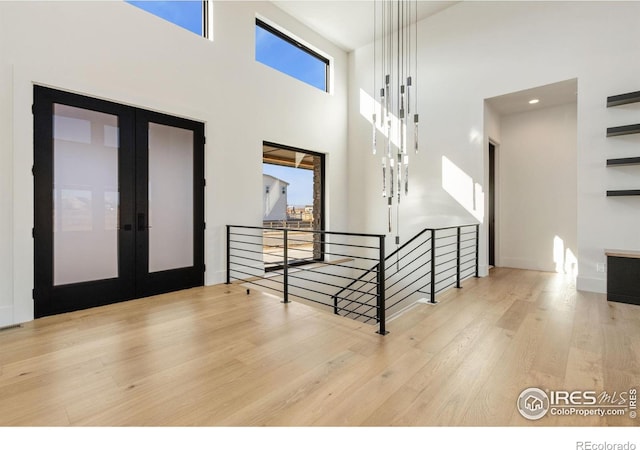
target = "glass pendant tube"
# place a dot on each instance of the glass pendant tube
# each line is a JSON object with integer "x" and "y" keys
{"x": 399, "y": 168}
{"x": 406, "y": 174}
{"x": 382, "y": 105}
{"x": 374, "y": 144}
{"x": 391, "y": 169}
{"x": 409, "y": 95}
{"x": 384, "y": 176}
{"x": 415, "y": 132}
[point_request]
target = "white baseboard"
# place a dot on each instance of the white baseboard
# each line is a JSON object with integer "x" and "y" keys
{"x": 591, "y": 285}
{"x": 6, "y": 316}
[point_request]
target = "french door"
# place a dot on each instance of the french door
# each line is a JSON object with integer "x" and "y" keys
{"x": 119, "y": 202}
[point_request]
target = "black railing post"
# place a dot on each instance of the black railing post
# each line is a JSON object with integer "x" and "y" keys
{"x": 433, "y": 266}
{"x": 228, "y": 254}
{"x": 335, "y": 304}
{"x": 285, "y": 266}
{"x": 458, "y": 260}
{"x": 477, "y": 250}
{"x": 381, "y": 290}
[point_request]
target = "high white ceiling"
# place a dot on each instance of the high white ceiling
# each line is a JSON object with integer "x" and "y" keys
{"x": 554, "y": 94}
{"x": 347, "y": 23}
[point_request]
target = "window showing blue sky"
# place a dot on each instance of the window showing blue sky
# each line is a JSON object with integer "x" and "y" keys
{"x": 282, "y": 55}
{"x": 185, "y": 13}
{"x": 300, "y": 190}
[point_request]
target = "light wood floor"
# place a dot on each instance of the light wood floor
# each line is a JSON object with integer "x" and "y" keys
{"x": 217, "y": 357}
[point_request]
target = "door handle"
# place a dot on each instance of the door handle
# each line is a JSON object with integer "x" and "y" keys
{"x": 141, "y": 222}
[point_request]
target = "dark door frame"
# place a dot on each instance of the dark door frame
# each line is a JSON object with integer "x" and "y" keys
{"x": 130, "y": 284}
{"x": 491, "y": 246}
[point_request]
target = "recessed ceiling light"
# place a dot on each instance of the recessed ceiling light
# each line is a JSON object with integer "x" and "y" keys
{"x": 533, "y": 101}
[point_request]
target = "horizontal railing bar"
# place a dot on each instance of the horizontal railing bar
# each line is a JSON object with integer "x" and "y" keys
{"x": 442, "y": 237}
{"x": 441, "y": 263}
{"x": 407, "y": 243}
{"x": 352, "y": 291}
{"x": 246, "y": 257}
{"x": 332, "y": 264}
{"x": 468, "y": 254}
{"x": 235, "y": 241}
{"x": 318, "y": 282}
{"x": 331, "y": 275}
{"x": 351, "y": 302}
{"x": 257, "y": 236}
{"x": 291, "y": 285}
{"x": 403, "y": 298}
{"x": 258, "y": 284}
{"x": 472, "y": 261}
{"x": 254, "y": 276}
{"x": 450, "y": 244}
{"x": 407, "y": 265}
{"x": 333, "y": 243}
{"x": 350, "y": 311}
{"x": 468, "y": 268}
{"x": 445, "y": 271}
{"x": 351, "y": 256}
{"x": 417, "y": 279}
{"x": 261, "y": 269}
{"x": 248, "y": 243}
{"x": 404, "y": 278}
{"x": 391, "y": 262}
{"x": 453, "y": 227}
{"x": 332, "y": 306}
{"x": 374, "y": 318}
{"x": 364, "y": 314}
{"x": 438, "y": 255}
{"x": 373, "y": 270}
{"x": 336, "y": 233}
{"x": 403, "y": 288}
{"x": 397, "y": 271}
{"x": 357, "y": 299}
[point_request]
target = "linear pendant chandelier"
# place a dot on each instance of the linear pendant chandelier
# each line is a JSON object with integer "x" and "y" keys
{"x": 395, "y": 58}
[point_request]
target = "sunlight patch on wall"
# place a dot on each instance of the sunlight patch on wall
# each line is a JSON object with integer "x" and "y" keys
{"x": 463, "y": 189}
{"x": 564, "y": 259}
{"x": 369, "y": 106}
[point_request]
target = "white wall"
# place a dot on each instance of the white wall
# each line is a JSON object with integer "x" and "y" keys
{"x": 477, "y": 50}
{"x": 538, "y": 189}
{"x": 115, "y": 51}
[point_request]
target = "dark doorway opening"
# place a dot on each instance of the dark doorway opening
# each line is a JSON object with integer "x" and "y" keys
{"x": 492, "y": 205}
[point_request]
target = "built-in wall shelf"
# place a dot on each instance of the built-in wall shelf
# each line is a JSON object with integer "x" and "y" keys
{"x": 623, "y": 193}
{"x": 625, "y": 129}
{"x": 616, "y": 100}
{"x": 623, "y": 99}
{"x": 617, "y": 162}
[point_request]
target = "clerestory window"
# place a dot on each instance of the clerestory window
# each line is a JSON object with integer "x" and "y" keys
{"x": 284, "y": 53}
{"x": 193, "y": 15}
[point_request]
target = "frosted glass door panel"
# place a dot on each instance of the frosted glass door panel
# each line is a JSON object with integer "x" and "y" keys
{"x": 170, "y": 197}
{"x": 85, "y": 195}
